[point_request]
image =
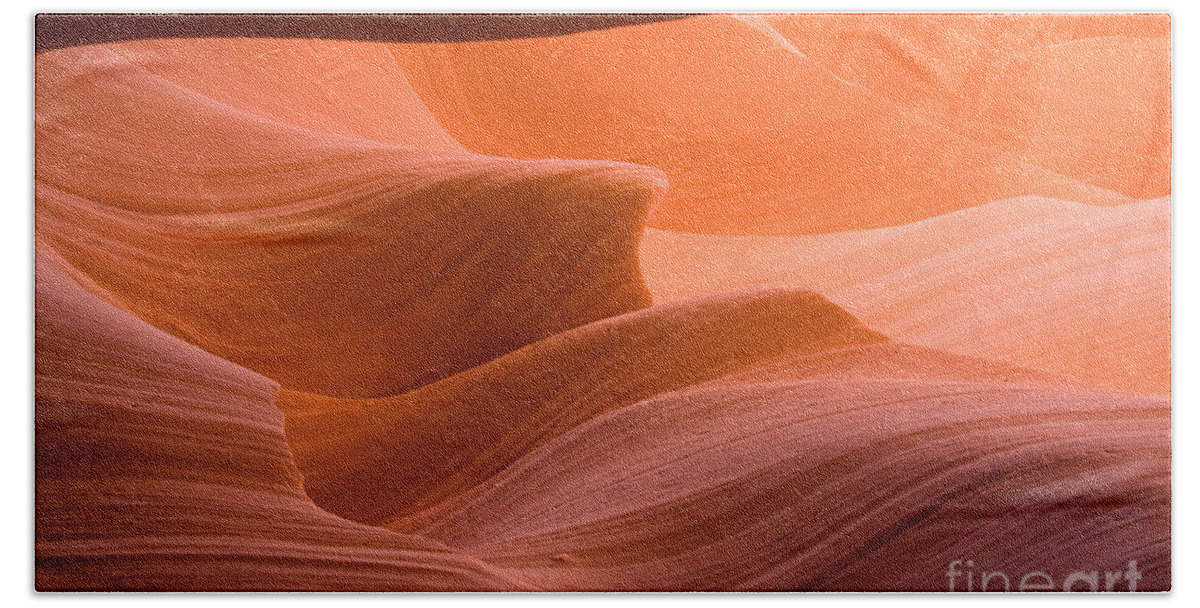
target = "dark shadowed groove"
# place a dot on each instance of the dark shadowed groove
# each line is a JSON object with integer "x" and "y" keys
{"x": 62, "y": 30}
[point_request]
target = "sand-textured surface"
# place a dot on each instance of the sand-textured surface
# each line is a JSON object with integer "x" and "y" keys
{"x": 750, "y": 302}
{"x": 338, "y": 265}
{"x": 758, "y": 136}
{"x": 1057, "y": 286}
{"x": 161, "y": 467}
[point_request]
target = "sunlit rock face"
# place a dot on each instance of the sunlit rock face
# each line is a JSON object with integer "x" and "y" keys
{"x": 753, "y": 302}
{"x": 799, "y": 124}
{"x": 1074, "y": 289}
